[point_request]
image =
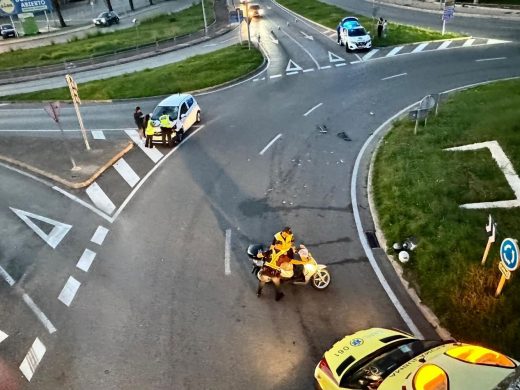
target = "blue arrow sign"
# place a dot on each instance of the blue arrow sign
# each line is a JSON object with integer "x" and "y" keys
{"x": 509, "y": 253}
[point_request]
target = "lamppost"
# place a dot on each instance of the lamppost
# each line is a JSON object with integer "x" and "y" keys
{"x": 136, "y": 24}
{"x": 204, "y": 16}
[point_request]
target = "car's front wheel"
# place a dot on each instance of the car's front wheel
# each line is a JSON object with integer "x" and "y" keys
{"x": 180, "y": 136}
{"x": 198, "y": 117}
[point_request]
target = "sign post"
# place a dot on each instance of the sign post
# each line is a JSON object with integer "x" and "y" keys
{"x": 73, "y": 88}
{"x": 491, "y": 229}
{"x": 53, "y": 109}
{"x": 448, "y": 13}
{"x": 509, "y": 255}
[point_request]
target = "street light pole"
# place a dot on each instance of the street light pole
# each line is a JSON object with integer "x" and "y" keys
{"x": 248, "y": 30}
{"x": 204, "y": 16}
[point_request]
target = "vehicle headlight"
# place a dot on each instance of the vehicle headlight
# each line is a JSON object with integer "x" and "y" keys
{"x": 310, "y": 267}
{"x": 103, "y": 20}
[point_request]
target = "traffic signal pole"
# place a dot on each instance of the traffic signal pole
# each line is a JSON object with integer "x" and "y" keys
{"x": 73, "y": 88}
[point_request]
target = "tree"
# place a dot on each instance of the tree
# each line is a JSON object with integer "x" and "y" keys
{"x": 57, "y": 8}
{"x": 131, "y": 5}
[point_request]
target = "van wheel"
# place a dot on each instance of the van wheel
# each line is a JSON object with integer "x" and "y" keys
{"x": 180, "y": 136}
{"x": 198, "y": 117}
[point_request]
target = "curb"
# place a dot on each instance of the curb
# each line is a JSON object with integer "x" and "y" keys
{"x": 66, "y": 182}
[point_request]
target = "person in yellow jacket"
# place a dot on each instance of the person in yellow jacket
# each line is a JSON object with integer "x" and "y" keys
{"x": 149, "y": 131}
{"x": 167, "y": 126}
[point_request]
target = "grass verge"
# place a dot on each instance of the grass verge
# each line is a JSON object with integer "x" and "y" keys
{"x": 101, "y": 43}
{"x": 201, "y": 71}
{"x": 418, "y": 188}
{"x": 330, "y": 15}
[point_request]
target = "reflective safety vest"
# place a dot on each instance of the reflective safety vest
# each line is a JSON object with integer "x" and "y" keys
{"x": 165, "y": 121}
{"x": 150, "y": 129}
{"x": 283, "y": 244}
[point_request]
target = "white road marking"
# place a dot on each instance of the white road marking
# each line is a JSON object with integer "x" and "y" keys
{"x": 126, "y": 172}
{"x": 308, "y": 70}
{"x": 495, "y": 41}
{"x": 469, "y": 42}
{"x": 275, "y": 76}
{"x": 335, "y": 58}
{"x": 3, "y": 336}
{"x": 269, "y": 144}
{"x": 312, "y": 109}
{"x": 303, "y": 48}
{"x": 444, "y": 45}
{"x": 342, "y": 64}
{"x": 8, "y": 278}
{"x": 307, "y": 36}
{"x": 358, "y": 57}
{"x": 32, "y": 359}
{"x": 291, "y": 73}
{"x": 394, "y": 51}
{"x": 491, "y": 59}
{"x": 355, "y": 62}
{"x": 69, "y": 291}
{"x": 86, "y": 259}
{"x": 48, "y": 184}
{"x": 83, "y": 203}
{"x": 98, "y": 134}
{"x": 394, "y": 76}
{"x": 293, "y": 66}
{"x": 363, "y": 239}
{"x": 57, "y": 130}
{"x": 58, "y": 232}
{"x": 369, "y": 55}
{"x": 150, "y": 172}
{"x": 420, "y": 47}
{"x": 227, "y": 252}
{"x": 255, "y": 80}
{"x": 39, "y": 314}
{"x": 326, "y": 67}
{"x": 504, "y": 164}
{"x": 99, "y": 198}
{"x": 152, "y": 153}
{"x": 99, "y": 235}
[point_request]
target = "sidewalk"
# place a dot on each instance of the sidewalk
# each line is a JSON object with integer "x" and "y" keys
{"x": 45, "y": 156}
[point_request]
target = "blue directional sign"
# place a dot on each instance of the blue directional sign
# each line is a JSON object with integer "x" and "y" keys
{"x": 509, "y": 253}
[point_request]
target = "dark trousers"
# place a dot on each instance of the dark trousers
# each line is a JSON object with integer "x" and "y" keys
{"x": 166, "y": 133}
{"x": 148, "y": 143}
{"x": 379, "y": 30}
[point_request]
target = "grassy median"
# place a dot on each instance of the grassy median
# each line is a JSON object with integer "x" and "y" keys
{"x": 418, "y": 188}
{"x": 194, "y": 73}
{"x": 330, "y": 15}
{"x": 101, "y": 43}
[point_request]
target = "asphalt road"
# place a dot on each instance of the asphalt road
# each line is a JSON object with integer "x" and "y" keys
{"x": 157, "y": 308}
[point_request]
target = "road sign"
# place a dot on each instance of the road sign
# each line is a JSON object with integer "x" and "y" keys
{"x": 427, "y": 102}
{"x": 509, "y": 253}
{"x": 236, "y": 16}
{"x": 449, "y": 13}
{"x": 418, "y": 114}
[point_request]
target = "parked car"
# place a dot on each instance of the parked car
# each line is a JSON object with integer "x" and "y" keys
{"x": 387, "y": 359}
{"x": 6, "y": 30}
{"x": 183, "y": 109}
{"x": 349, "y": 22}
{"x": 255, "y": 11}
{"x": 106, "y": 19}
{"x": 355, "y": 38}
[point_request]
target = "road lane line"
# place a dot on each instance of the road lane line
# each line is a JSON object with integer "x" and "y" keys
{"x": 313, "y": 108}
{"x": 69, "y": 291}
{"x": 126, "y": 172}
{"x": 86, "y": 259}
{"x": 99, "y": 235}
{"x": 491, "y": 59}
{"x": 369, "y": 55}
{"x": 40, "y": 314}
{"x": 420, "y": 48}
{"x": 291, "y": 73}
{"x": 469, "y": 42}
{"x": 394, "y": 51}
{"x": 342, "y": 64}
{"x": 227, "y": 252}
{"x": 269, "y": 144}
{"x": 10, "y": 281}
{"x": 150, "y": 172}
{"x": 394, "y": 76}
{"x": 83, "y": 203}
{"x": 444, "y": 45}
{"x": 326, "y": 67}
{"x": 32, "y": 359}
{"x": 3, "y": 336}
{"x": 98, "y": 134}
{"x": 362, "y": 237}
{"x": 303, "y": 48}
{"x": 152, "y": 153}
{"x": 275, "y": 76}
{"x": 308, "y": 70}
{"x": 100, "y": 199}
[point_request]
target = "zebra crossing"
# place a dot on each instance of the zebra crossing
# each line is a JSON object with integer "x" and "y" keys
{"x": 31, "y": 360}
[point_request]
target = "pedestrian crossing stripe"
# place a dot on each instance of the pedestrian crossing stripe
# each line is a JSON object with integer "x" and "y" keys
{"x": 335, "y": 58}
{"x": 3, "y": 336}
{"x": 293, "y": 66}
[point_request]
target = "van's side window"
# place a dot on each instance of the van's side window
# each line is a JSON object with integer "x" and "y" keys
{"x": 189, "y": 102}
{"x": 184, "y": 108}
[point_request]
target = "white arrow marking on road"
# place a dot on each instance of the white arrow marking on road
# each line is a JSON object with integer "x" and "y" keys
{"x": 32, "y": 359}
{"x": 275, "y": 41}
{"x": 3, "y": 336}
{"x": 57, "y": 233}
{"x": 335, "y": 58}
{"x": 293, "y": 66}
{"x": 306, "y": 36}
